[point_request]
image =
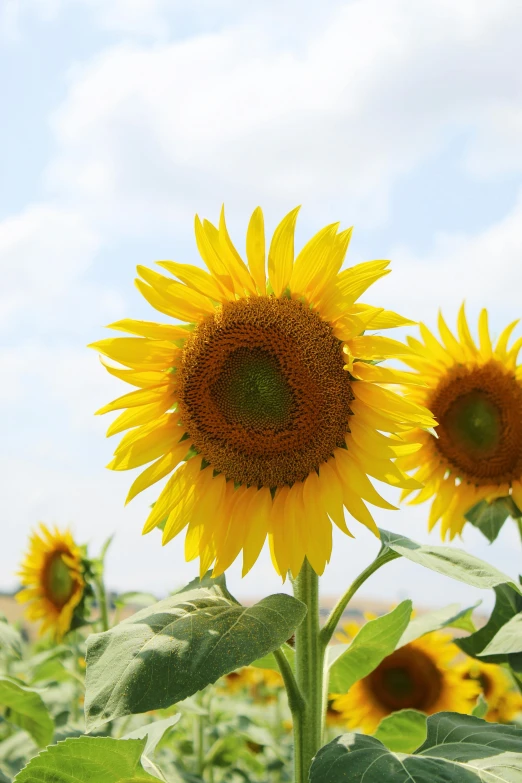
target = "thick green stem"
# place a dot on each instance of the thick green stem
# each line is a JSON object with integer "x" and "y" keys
{"x": 309, "y": 655}
{"x": 328, "y": 630}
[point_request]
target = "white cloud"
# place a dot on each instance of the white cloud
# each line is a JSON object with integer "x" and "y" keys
{"x": 331, "y": 114}
{"x": 43, "y": 251}
{"x": 484, "y": 268}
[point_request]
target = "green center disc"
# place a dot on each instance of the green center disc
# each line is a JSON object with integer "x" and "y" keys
{"x": 473, "y": 422}
{"x": 252, "y": 391}
{"x": 59, "y": 581}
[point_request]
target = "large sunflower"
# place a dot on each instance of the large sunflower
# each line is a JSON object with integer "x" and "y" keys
{"x": 504, "y": 702}
{"x": 52, "y": 571}
{"x": 419, "y": 676}
{"x": 266, "y": 406}
{"x": 475, "y": 393}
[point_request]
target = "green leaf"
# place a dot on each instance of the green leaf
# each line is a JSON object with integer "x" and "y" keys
{"x": 458, "y": 749}
{"x": 488, "y": 517}
{"x": 507, "y": 640}
{"x": 402, "y": 731}
{"x": 452, "y": 616}
{"x": 508, "y": 604}
{"x": 481, "y": 707}
{"x": 269, "y": 661}
{"x": 168, "y": 651}
{"x": 27, "y": 710}
{"x": 153, "y": 733}
{"x": 375, "y": 641}
{"x": 10, "y": 639}
{"x": 88, "y": 760}
{"x": 452, "y": 562}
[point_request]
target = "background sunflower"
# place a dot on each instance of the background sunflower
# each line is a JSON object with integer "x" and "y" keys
{"x": 420, "y": 675}
{"x": 266, "y": 407}
{"x": 475, "y": 394}
{"x": 52, "y": 571}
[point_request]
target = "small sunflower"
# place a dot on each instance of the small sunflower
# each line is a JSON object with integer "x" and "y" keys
{"x": 52, "y": 572}
{"x": 419, "y": 676}
{"x": 261, "y": 683}
{"x": 266, "y": 407}
{"x": 475, "y": 393}
{"x": 504, "y": 702}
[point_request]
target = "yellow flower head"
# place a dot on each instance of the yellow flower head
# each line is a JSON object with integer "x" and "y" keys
{"x": 504, "y": 702}
{"x": 419, "y": 676}
{"x": 475, "y": 393}
{"x": 265, "y": 406}
{"x": 52, "y": 572}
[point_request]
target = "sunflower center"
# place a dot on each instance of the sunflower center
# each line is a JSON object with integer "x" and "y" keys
{"x": 252, "y": 390}
{"x": 58, "y": 580}
{"x": 474, "y": 421}
{"x": 479, "y": 410}
{"x": 262, "y": 391}
{"x": 406, "y": 679}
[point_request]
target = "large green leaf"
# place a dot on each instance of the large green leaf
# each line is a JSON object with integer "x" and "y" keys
{"x": 153, "y": 733}
{"x": 27, "y": 710}
{"x": 458, "y": 749}
{"x": 375, "y": 641}
{"x": 10, "y": 639}
{"x": 508, "y": 604}
{"x": 402, "y": 731}
{"x": 449, "y": 616}
{"x": 88, "y": 760}
{"x": 168, "y": 651}
{"x": 488, "y": 517}
{"x": 450, "y": 561}
{"x": 507, "y": 640}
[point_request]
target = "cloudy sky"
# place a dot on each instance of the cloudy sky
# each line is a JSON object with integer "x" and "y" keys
{"x": 123, "y": 118}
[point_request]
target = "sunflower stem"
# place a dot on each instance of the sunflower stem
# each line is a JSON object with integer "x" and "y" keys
{"x": 384, "y": 556}
{"x": 102, "y": 600}
{"x": 309, "y": 656}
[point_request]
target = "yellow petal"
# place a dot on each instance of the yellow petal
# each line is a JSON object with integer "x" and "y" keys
{"x": 196, "y": 278}
{"x": 138, "y": 352}
{"x": 210, "y": 494}
{"x": 325, "y": 278}
{"x": 151, "y": 446}
{"x": 141, "y": 379}
{"x": 378, "y": 318}
{"x": 358, "y": 481}
{"x": 173, "y": 492}
{"x": 214, "y": 262}
{"x": 452, "y": 344}
{"x": 312, "y": 259}
{"x": 150, "y": 329}
{"x": 332, "y": 495}
{"x": 486, "y": 348}
{"x": 464, "y": 333}
{"x": 255, "y": 249}
{"x": 501, "y": 346}
{"x": 232, "y": 543}
{"x": 134, "y": 399}
{"x": 233, "y": 260}
{"x": 135, "y": 417}
{"x": 281, "y": 253}
{"x": 377, "y": 347}
{"x": 158, "y": 470}
{"x": 434, "y": 347}
{"x": 257, "y": 525}
{"x": 317, "y": 524}
{"x": 377, "y": 374}
{"x": 279, "y": 549}
{"x": 189, "y": 304}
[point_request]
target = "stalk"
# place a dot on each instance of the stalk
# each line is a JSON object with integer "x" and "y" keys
{"x": 309, "y": 655}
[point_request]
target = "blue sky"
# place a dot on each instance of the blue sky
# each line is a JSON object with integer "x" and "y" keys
{"x": 123, "y": 118}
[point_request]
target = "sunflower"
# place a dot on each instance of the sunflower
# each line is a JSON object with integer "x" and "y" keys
{"x": 475, "y": 393}
{"x": 504, "y": 702}
{"x": 261, "y": 683}
{"x": 266, "y": 407}
{"x": 53, "y": 574}
{"x": 419, "y": 676}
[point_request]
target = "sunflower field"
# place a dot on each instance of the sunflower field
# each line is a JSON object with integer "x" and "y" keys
{"x": 267, "y": 401}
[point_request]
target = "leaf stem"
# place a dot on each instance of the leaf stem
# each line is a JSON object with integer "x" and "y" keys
{"x": 309, "y": 674}
{"x": 385, "y": 555}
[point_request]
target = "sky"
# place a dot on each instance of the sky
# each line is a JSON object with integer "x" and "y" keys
{"x": 122, "y": 119}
